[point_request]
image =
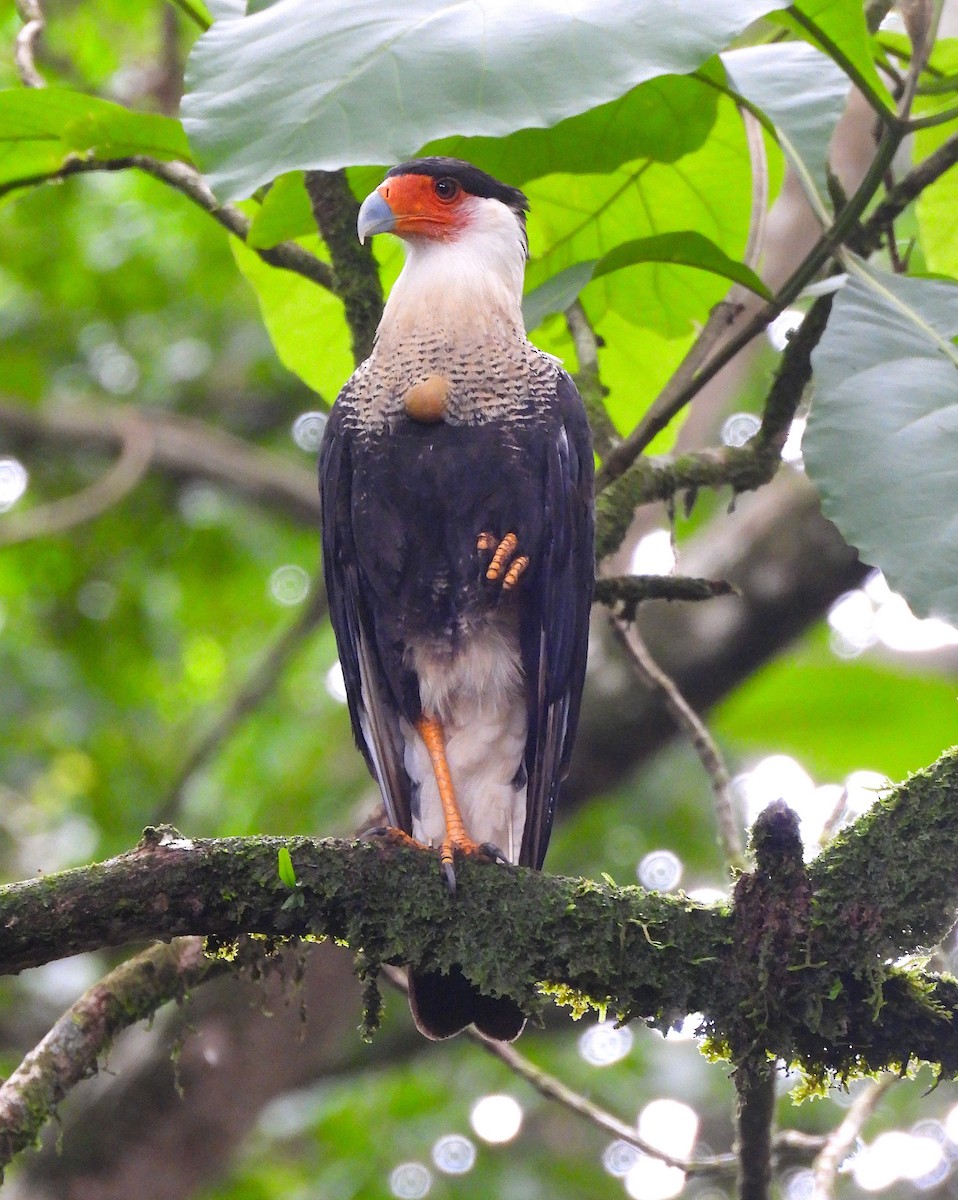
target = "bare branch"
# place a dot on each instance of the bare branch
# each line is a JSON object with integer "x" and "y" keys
{"x": 188, "y": 182}
{"x": 698, "y": 734}
{"x": 25, "y": 47}
{"x": 183, "y": 446}
{"x": 102, "y": 494}
{"x": 554, "y": 1089}
{"x": 69, "y": 1052}
{"x": 744, "y": 468}
{"x": 841, "y": 1140}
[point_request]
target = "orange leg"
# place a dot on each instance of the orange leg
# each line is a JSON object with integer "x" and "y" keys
{"x": 430, "y": 730}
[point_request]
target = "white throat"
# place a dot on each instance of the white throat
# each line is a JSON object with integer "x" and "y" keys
{"x": 462, "y": 290}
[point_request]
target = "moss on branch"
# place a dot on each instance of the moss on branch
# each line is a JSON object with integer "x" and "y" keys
{"x": 799, "y": 967}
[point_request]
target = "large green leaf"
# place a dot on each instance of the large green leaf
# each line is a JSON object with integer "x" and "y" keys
{"x": 577, "y": 218}
{"x": 686, "y": 247}
{"x": 803, "y": 93}
{"x": 937, "y": 207}
{"x": 289, "y": 87}
{"x": 40, "y": 127}
{"x": 839, "y": 28}
{"x": 882, "y": 438}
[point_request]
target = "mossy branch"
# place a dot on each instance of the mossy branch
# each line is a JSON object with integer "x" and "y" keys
{"x": 70, "y": 1051}
{"x": 798, "y": 967}
{"x": 357, "y": 274}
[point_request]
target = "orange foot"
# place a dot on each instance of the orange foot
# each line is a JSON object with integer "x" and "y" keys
{"x": 398, "y": 837}
{"x": 461, "y": 844}
{"x": 505, "y": 567}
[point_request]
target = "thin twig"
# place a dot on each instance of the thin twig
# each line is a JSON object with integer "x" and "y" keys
{"x": 629, "y": 591}
{"x": 262, "y": 679}
{"x": 841, "y": 1140}
{"x": 673, "y": 398}
{"x": 188, "y": 182}
{"x": 26, "y": 43}
{"x": 104, "y": 493}
{"x": 697, "y": 732}
{"x": 554, "y": 1089}
{"x": 69, "y": 1052}
{"x": 604, "y": 433}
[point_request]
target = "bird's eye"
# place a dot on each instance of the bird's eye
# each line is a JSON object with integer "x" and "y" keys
{"x": 446, "y": 189}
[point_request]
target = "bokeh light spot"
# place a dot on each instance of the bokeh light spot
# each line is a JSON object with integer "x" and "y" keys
{"x": 496, "y": 1118}
{"x": 13, "y": 482}
{"x": 454, "y": 1154}
{"x": 308, "y": 430}
{"x": 739, "y": 428}
{"x": 660, "y": 871}
{"x": 289, "y": 585}
{"x": 603, "y": 1044}
{"x": 410, "y": 1181}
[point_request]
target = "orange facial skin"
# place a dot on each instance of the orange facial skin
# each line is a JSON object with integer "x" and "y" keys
{"x": 425, "y": 207}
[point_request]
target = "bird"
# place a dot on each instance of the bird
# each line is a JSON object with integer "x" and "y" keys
{"x": 456, "y": 478}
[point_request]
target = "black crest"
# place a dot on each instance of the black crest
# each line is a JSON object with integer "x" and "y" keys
{"x": 470, "y": 178}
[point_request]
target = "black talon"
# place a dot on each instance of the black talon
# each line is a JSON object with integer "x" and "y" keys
{"x": 450, "y": 873}
{"x": 494, "y": 853}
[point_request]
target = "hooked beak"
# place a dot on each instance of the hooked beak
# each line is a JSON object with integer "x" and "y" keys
{"x": 375, "y": 216}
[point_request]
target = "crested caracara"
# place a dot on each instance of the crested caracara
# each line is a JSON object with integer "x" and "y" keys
{"x": 456, "y": 473}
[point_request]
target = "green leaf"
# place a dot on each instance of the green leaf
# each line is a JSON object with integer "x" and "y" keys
{"x": 284, "y": 865}
{"x": 662, "y": 120}
{"x": 937, "y": 206}
{"x": 686, "y": 247}
{"x": 279, "y": 90}
{"x": 840, "y": 30}
{"x": 305, "y": 323}
{"x": 578, "y": 218}
{"x": 881, "y": 437}
{"x": 285, "y": 213}
{"x": 803, "y": 93}
{"x": 87, "y": 125}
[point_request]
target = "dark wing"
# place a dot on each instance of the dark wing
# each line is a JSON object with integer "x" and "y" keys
{"x": 375, "y": 722}
{"x": 554, "y": 614}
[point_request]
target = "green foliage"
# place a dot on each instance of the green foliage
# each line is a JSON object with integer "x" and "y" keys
{"x": 125, "y": 639}
{"x": 256, "y": 105}
{"x": 879, "y": 435}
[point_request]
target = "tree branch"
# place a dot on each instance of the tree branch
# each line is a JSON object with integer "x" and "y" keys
{"x": 190, "y": 183}
{"x": 180, "y": 445}
{"x": 70, "y": 1051}
{"x": 702, "y": 742}
{"x": 814, "y": 944}
{"x": 357, "y": 273}
{"x": 92, "y": 501}
{"x": 743, "y": 468}
{"x": 591, "y": 388}
{"x": 25, "y": 46}
{"x": 842, "y": 1139}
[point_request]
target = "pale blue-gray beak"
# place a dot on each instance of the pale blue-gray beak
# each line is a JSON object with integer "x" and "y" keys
{"x": 375, "y": 216}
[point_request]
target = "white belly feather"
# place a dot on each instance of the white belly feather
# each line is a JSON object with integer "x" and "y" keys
{"x": 478, "y": 694}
